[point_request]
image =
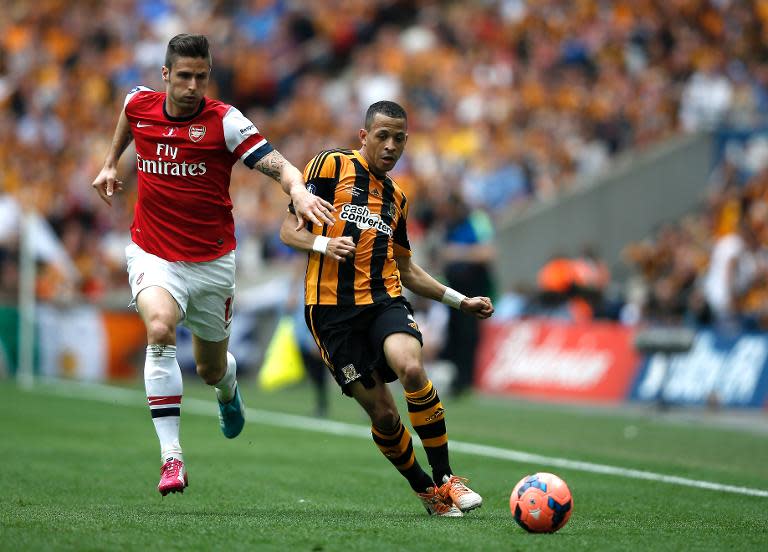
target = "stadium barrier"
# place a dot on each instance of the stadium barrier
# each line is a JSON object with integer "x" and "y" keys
{"x": 720, "y": 369}
{"x": 556, "y": 360}
{"x": 83, "y": 343}
{"x": 534, "y": 358}
{"x": 598, "y": 362}
{"x": 89, "y": 343}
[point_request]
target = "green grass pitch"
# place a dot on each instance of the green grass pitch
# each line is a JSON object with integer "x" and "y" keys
{"x": 80, "y": 474}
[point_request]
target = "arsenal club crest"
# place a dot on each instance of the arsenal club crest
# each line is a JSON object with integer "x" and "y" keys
{"x": 196, "y": 132}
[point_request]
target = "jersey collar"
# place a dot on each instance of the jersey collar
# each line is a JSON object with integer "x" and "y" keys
{"x": 188, "y": 117}
{"x": 362, "y": 160}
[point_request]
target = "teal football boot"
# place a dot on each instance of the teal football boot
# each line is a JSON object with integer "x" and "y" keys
{"x": 232, "y": 416}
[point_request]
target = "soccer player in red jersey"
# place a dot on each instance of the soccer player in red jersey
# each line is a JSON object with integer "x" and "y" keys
{"x": 181, "y": 262}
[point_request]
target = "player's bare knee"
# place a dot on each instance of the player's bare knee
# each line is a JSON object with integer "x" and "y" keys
{"x": 207, "y": 374}
{"x": 161, "y": 332}
{"x": 210, "y": 373}
{"x": 412, "y": 375}
{"x": 385, "y": 418}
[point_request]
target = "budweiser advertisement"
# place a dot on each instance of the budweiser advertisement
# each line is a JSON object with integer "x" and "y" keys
{"x": 548, "y": 359}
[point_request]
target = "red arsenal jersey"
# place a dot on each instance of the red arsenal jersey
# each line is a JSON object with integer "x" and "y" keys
{"x": 184, "y": 164}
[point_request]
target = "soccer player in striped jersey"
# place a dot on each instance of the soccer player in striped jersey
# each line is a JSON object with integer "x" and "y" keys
{"x": 355, "y": 310}
{"x": 181, "y": 263}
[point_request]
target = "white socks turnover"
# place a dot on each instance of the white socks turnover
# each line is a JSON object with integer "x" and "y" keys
{"x": 225, "y": 389}
{"x": 162, "y": 380}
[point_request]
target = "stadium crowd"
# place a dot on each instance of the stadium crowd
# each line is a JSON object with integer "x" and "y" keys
{"x": 510, "y": 101}
{"x": 711, "y": 268}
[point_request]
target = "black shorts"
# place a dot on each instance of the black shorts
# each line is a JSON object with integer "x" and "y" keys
{"x": 351, "y": 339}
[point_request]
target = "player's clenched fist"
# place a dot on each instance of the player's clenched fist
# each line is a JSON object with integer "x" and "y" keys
{"x": 481, "y": 307}
{"x": 341, "y": 248}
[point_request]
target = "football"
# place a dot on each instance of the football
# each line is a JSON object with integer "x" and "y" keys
{"x": 541, "y": 503}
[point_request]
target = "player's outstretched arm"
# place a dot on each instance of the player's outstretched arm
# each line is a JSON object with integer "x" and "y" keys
{"x": 106, "y": 183}
{"x": 339, "y": 249}
{"x": 422, "y": 283}
{"x": 308, "y": 207}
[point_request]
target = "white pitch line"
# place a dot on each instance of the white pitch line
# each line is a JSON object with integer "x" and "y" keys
{"x": 129, "y": 397}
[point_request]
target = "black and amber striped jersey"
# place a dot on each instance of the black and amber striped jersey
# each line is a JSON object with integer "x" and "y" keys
{"x": 372, "y": 211}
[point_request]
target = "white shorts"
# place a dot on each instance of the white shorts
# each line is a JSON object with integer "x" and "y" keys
{"x": 205, "y": 291}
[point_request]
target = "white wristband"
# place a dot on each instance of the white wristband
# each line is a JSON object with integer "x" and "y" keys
{"x": 453, "y": 298}
{"x": 320, "y": 245}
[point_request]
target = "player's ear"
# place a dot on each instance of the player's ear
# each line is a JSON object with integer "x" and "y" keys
{"x": 362, "y": 134}
{"x": 165, "y": 72}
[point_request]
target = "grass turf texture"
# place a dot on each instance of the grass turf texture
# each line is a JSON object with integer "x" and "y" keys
{"x": 81, "y": 475}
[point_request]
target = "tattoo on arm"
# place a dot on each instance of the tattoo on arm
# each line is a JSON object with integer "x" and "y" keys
{"x": 272, "y": 165}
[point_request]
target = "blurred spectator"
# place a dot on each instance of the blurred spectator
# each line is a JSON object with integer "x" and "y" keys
{"x": 736, "y": 265}
{"x": 573, "y": 287}
{"x": 707, "y": 97}
{"x": 591, "y": 279}
{"x": 432, "y": 319}
{"x": 9, "y": 249}
{"x": 667, "y": 290}
{"x": 514, "y": 303}
{"x": 555, "y": 284}
{"x": 467, "y": 254}
{"x": 526, "y": 96}
{"x": 310, "y": 354}
{"x": 712, "y": 267}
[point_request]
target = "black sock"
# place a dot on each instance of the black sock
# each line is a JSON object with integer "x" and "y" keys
{"x": 397, "y": 446}
{"x": 428, "y": 420}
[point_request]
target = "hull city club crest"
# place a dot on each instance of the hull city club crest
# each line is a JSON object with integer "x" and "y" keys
{"x": 196, "y": 132}
{"x": 350, "y": 374}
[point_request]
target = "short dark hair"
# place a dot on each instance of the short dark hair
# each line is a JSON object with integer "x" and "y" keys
{"x": 186, "y": 45}
{"x": 385, "y": 107}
